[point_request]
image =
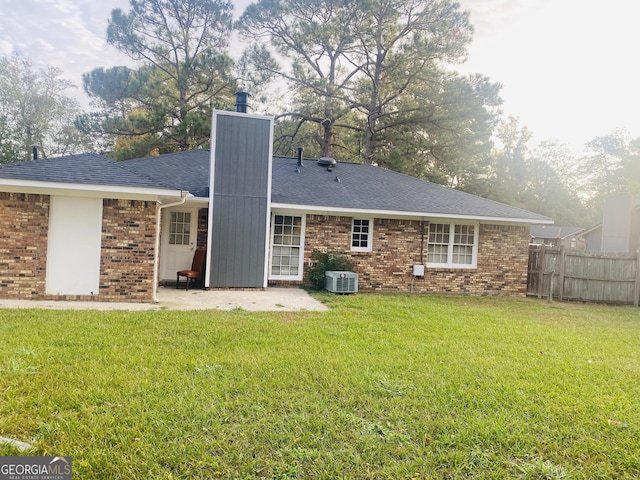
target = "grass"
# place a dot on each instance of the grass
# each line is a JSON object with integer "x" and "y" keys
{"x": 378, "y": 387}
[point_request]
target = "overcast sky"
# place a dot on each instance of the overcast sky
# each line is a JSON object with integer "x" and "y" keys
{"x": 568, "y": 68}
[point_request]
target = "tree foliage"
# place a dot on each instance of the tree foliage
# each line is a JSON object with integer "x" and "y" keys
{"x": 165, "y": 104}
{"x": 366, "y": 75}
{"x": 602, "y": 168}
{"x": 509, "y": 169}
{"x": 549, "y": 192}
{"x": 403, "y": 48}
{"x": 541, "y": 180}
{"x": 312, "y": 38}
{"x": 324, "y": 262}
{"x": 362, "y": 80}
{"x": 35, "y": 108}
{"x": 447, "y": 138}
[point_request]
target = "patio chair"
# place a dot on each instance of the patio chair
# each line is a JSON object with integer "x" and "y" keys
{"x": 197, "y": 268}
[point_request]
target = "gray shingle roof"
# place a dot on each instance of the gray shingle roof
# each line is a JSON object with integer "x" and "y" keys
{"x": 347, "y": 186}
{"x": 86, "y": 168}
{"x": 353, "y": 185}
{"x": 181, "y": 171}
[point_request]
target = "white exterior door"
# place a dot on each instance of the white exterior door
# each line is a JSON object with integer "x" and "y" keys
{"x": 73, "y": 246}
{"x": 179, "y": 240}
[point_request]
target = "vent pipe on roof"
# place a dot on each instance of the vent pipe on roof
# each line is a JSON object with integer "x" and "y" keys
{"x": 34, "y": 151}
{"x": 300, "y": 149}
{"x": 242, "y": 102}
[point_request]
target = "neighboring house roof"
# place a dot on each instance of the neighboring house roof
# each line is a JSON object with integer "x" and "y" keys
{"x": 590, "y": 231}
{"x": 347, "y": 186}
{"x": 554, "y": 231}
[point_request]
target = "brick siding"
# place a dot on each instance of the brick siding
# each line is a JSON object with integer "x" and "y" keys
{"x": 128, "y": 245}
{"x": 501, "y": 267}
{"x": 24, "y": 223}
{"x": 203, "y": 222}
{"x": 126, "y": 255}
{"x": 128, "y": 249}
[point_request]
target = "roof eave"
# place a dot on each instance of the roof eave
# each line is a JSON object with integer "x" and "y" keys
{"x": 410, "y": 214}
{"x": 81, "y": 189}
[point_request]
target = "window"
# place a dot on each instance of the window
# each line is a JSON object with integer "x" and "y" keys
{"x": 361, "y": 235}
{"x": 179, "y": 228}
{"x": 287, "y": 239}
{"x": 452, "y": 245}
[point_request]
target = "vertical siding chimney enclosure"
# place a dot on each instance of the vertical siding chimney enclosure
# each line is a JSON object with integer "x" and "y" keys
{"x": 239, "y": 199}
{"x": 34, "y": 151}
{"x": 242, "y": 102}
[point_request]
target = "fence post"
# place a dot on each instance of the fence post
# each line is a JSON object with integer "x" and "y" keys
{"x": 541, "y": 272}
{"x": 563, "y": 259}
{"x": 636, "y": 290}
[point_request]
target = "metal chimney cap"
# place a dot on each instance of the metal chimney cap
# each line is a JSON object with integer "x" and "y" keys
{"x": 242, "y": 102}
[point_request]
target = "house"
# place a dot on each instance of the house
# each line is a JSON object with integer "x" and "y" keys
{"x": 556, "y": 236}
{"x": 592, "y": 238}
{"x": 621, "y": 224}
{"x": 86, "y": 227}
{"x": 619, "y": 231}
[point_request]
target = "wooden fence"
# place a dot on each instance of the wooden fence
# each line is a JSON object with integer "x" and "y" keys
{"x": 567, "y": 274}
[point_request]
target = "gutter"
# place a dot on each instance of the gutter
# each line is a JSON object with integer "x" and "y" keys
{"x": 156, "y": 255}
{"x": 408, "y": 214}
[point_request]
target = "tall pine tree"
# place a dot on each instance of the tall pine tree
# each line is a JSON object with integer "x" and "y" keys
{"x": 184, "y": 70}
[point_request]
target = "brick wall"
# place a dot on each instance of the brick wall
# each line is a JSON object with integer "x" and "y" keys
{"x": 128, "y": 246}
{"x": 502, "y": 257}
{"x": 24, "y": 222}
{"x": 128, "y": 243}
{"x": 126, "y": 258}
{"x": 203, "y": 221}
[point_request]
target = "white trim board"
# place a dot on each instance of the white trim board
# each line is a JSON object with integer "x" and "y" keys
{"x": 342, "y": 211}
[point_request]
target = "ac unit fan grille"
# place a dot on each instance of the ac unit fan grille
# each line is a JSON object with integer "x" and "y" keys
{"x": 345, "y": 284}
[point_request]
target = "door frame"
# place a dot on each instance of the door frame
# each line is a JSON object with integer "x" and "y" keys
{"x": 164, "y": 239}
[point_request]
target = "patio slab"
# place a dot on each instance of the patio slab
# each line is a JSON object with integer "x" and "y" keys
{"x": 270, "y": 299}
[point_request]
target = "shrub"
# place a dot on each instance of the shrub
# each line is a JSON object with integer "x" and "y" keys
{"x": 323, "y": 262}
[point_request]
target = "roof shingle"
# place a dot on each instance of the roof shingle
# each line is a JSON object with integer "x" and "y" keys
{"x": 354, "y": 185}
{"x": 350, "y": 186}
{"x": 86, "y": 168}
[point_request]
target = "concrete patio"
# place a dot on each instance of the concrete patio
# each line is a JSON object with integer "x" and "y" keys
{"x": 270, "y": 299}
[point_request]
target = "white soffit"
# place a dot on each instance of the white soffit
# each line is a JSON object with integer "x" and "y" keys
{"x": 85, "y": 190}
{"x": 319, "y": 210}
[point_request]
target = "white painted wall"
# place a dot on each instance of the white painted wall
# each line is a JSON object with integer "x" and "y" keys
{"x": 74, "y": 241}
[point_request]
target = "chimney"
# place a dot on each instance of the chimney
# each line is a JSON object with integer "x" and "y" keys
{"x": 242, "y": 102}
{"x": 34, "y": 151}
{"x": 300, "y": 149}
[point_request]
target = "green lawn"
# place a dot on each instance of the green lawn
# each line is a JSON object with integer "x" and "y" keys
{"x": 391, "y": 386}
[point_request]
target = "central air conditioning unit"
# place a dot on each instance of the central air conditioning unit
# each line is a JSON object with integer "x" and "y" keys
{"x": 341, "y": 282}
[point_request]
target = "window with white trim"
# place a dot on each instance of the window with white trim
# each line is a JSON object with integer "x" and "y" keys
{"x": 452, "y": 245}
{"x": 287, "y": 239}
{"x": 179, "y": 228}
{"x": 361, "y": 235}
